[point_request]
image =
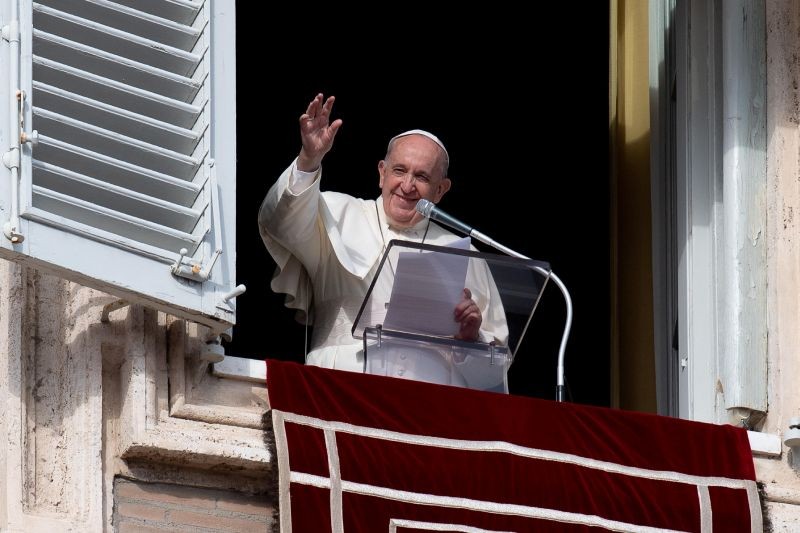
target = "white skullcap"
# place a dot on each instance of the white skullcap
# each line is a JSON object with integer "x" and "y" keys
{"x": 427, "y": 134}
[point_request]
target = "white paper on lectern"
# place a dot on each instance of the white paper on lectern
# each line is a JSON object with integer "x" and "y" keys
{"x": 427, "y": 287}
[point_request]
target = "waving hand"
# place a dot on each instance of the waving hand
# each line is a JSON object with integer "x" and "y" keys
{"x": 316, "y": 132}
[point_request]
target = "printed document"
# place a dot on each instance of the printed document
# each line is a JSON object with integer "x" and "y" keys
{"x": 427, "y": 287}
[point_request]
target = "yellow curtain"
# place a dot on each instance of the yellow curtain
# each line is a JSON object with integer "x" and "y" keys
{"x": 632, "y": 354}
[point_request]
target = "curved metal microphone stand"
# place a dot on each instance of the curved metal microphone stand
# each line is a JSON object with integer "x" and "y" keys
{"x": 429, "y": 210}
{"x": 567, "y": 300}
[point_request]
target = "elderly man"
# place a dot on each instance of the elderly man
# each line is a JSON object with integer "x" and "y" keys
{"x": 328, "y": 245}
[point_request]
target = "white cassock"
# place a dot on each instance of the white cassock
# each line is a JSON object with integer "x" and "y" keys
{"x": 331, "y": 243}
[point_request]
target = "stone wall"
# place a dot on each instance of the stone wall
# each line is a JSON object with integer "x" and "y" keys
{"x": 94, "y": 390}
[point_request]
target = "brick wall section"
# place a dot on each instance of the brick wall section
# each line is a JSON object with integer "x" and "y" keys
{"x": 158, "y": 507}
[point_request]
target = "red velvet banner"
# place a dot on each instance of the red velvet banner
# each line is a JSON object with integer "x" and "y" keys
{"x": 370, "y": 453}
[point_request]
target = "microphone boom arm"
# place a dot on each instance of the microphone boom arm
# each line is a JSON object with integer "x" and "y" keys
{"x": 567, "y": 300}
{"x": 429, "y": 210}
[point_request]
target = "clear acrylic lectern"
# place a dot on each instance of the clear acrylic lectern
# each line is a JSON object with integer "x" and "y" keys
{"x": 407, "y": 324}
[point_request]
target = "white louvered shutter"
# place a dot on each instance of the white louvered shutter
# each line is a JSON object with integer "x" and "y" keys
{"x": 134, "y": 105}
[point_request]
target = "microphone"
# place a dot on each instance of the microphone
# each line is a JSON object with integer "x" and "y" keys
{"x": 428, "y": 209}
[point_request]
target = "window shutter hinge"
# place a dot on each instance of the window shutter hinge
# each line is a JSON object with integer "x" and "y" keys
{"x": 24, "y": 137}
{"x": 31, "y": 138}
{"x": 10, "y": 227}
{"x": 196, "y": 271}
{"x": 11, "y": 158}
{"x": 10, "y": 32}
{"x": 193, "y": 271}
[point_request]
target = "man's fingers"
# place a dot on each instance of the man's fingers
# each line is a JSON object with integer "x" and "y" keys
{"x": 313, "y": 107}
{"x": 466, "y": 309}
{"x": 469, "y": 327}
{"x": 316, "y": 110}
{"x": 334, "y": 127}
{"x": 326, "y": 108}
{"x": 465, "y": 305}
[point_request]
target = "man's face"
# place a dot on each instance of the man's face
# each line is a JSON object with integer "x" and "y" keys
{"x": 410, "y": 172}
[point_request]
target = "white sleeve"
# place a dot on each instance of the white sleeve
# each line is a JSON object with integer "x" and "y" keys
{"x": 300, "y": 180}
{"x": 494, "y": 327}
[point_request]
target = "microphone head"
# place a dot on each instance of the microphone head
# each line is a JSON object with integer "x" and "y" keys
{"x": 424, "y": 207}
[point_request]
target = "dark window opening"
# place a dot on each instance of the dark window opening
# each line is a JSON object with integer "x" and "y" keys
{"x": 525, "y": 120}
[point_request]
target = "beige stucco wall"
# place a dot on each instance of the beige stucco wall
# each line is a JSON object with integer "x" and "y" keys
{"x": 781, "y": 475}
{"x": 86, "y": 401}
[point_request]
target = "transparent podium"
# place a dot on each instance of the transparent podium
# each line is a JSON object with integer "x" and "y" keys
{"x": 407, "y": 319}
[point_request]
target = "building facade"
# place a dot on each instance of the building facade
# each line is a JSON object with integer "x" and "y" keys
{"x": 120, "y": 412}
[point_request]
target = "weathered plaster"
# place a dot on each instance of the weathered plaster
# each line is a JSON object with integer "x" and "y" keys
{"x": 88, "y": 400}
{"x": 783, "y": 203}
{"x": 781, "y": 475}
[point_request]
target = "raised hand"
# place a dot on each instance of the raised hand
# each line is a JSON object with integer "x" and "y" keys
{"x": 317, "y": 133}
{"x": 468, "y": 317}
